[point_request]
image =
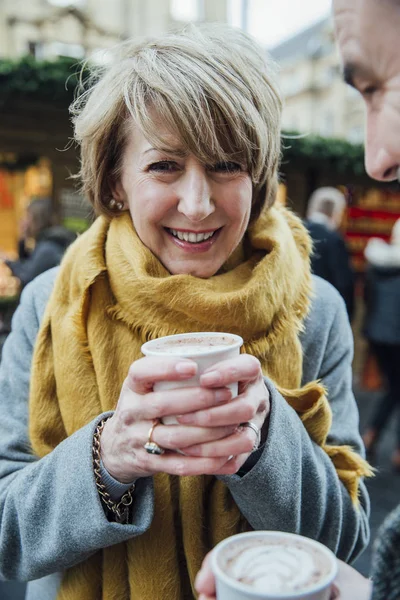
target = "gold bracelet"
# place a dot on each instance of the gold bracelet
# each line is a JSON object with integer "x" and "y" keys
{"x": 119, "y": 510}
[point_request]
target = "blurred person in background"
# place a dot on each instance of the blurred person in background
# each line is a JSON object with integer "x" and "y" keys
{"x": 382, "y": 330}
{"x": 50, "y": 242}
{"x": 330, "y": 258}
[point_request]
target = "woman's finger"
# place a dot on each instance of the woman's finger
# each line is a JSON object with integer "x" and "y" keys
{"x": 240, "y": 442}
{"x": 241, "y": 368}
{"x": 165, "y": 403}
{"x": 232, "y": 465}
{"x": 146, "y": 371}
{"x": 241, "y": 409}
{"x": 183, "y": 436}
{"x": 205, "y": 582}
{"x": 178, "y": 464}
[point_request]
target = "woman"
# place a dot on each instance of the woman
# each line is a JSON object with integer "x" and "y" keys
{"x": 180, "y": 152}
{"x": 382, "y": 330}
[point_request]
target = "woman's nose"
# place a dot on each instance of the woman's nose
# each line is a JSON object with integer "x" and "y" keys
{"x": 195, "y": 200}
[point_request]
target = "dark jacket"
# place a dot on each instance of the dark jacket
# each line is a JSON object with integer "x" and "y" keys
{"x": 49, "y": 249}
{"x": 382, "y": 298}
{"x": 331, "y": 261}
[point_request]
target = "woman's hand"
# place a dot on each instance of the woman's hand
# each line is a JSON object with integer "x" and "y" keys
{"x": 349, "y": 583}
{"x": 252, "y": 404}
{"x": 126, "y": 432}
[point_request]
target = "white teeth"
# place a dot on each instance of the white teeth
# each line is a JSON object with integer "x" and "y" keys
{"x": 193, "y": 238}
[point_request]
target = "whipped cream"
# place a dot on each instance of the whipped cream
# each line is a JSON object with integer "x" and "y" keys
{"x": 275, "y": 568}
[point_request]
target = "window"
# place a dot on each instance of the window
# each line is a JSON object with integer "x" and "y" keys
{"x": 32, "y": 49}
{"x": 187, "y": 10}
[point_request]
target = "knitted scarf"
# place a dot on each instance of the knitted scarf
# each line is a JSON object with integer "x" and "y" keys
{"x": 111, "y": 295}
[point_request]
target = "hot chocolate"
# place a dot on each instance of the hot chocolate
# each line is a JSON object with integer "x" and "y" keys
{"x": 275, "y": 566}
{"x": 271, "y": 565}
{"x": 194, "y": 345}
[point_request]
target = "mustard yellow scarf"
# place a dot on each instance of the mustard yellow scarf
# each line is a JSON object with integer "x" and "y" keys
{"x": 111, "y": 295}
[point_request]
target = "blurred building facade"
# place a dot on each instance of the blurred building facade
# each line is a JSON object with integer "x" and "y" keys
{"x": 316, "y": 100}
{"x": 50, "y": 28}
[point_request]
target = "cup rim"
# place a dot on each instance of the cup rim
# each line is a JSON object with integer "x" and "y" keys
{"x": 147, "y": 350}
{"x": 230, "y": 582}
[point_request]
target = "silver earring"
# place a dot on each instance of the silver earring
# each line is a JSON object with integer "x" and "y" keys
{"x": 115, "y": 204}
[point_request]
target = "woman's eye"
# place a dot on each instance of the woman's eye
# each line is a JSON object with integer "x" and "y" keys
{"x": 226, "y": 167}
{"x": 164, "y": 166}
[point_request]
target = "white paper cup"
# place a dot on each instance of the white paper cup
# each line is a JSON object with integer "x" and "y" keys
{"x": 229, "y": 588}
{"x": 204, "y": 359}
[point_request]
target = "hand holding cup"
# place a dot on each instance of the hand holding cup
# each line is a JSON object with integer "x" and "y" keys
{"x": 196, "y": 397}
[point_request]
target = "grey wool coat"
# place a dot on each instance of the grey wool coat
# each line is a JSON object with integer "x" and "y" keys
{"x": 50, "y": 513}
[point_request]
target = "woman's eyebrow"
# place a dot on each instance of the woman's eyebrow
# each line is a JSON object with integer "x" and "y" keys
{"x": 173, "y": 151}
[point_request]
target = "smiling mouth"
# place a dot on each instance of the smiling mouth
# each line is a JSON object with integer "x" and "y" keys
{"x": 191, "y": 236}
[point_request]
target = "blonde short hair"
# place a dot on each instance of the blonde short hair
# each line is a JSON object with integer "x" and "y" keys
{"x": 212, "y": 86}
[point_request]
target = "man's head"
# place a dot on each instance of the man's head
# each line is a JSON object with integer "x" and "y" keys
{"x": 326, "y": 205}
{"x": 368, "y": 35}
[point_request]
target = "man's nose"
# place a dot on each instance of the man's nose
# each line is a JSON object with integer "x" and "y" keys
{"x": 381, "y": 161}
{"x": 195, "y": 201}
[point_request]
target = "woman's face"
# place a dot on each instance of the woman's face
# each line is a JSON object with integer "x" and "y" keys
{"x": 191, "y": 216}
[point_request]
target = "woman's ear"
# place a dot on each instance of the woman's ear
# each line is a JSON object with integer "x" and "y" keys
{"x": 118, "y": 193}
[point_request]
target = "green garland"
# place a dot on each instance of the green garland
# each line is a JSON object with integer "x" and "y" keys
{"x": 315, "y": 150}
{"x": 56, "y": 81}
{"x": 39, "y": 80}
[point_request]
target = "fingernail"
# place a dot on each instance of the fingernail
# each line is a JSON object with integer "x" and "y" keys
{"x": 210, "y": 378}
{"x": 186, "y": 368}
{"x": 223, "y": 395}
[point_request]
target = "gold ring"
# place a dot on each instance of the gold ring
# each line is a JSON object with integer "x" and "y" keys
{"x": 150, "y": 446}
